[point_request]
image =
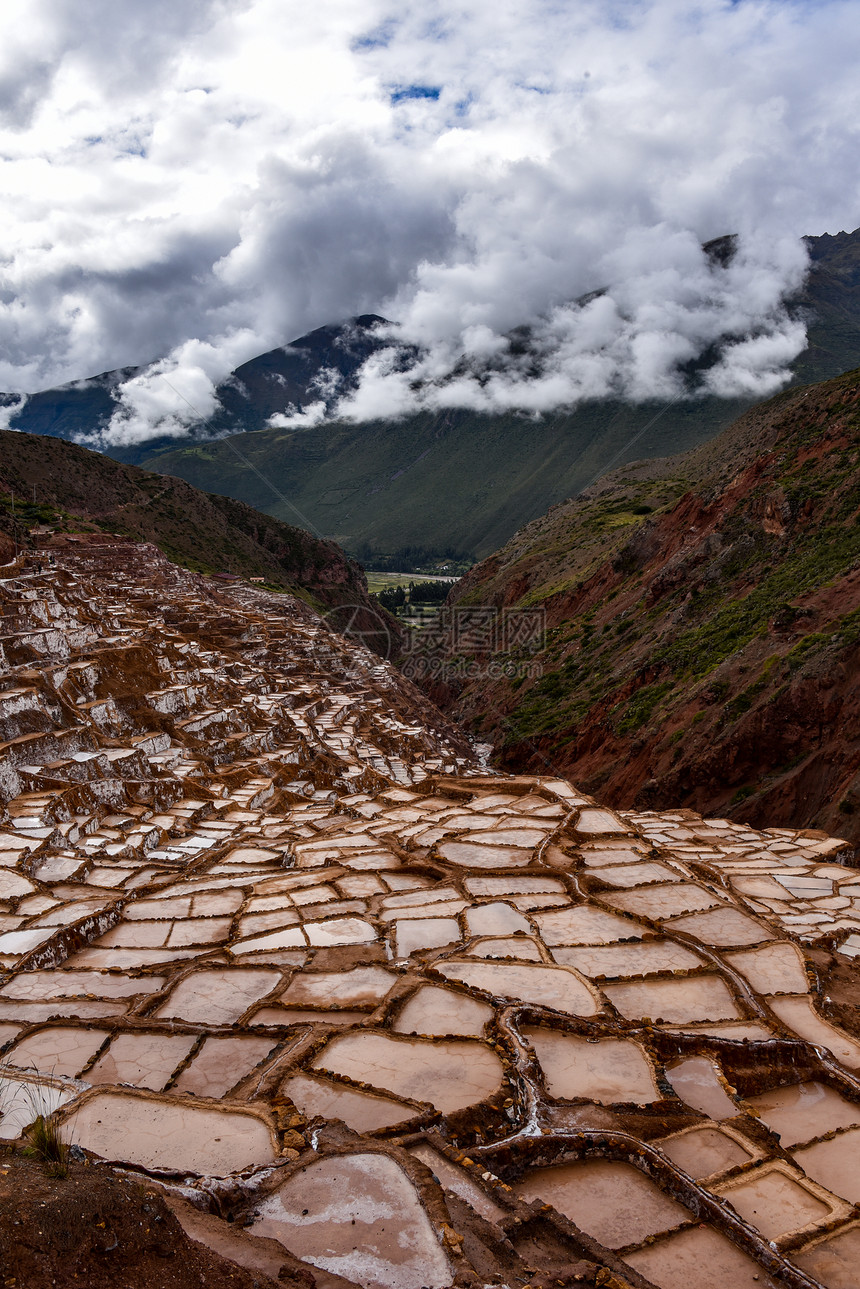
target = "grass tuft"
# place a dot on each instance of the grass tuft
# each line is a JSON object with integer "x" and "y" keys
{"x": 48, "y": 1146}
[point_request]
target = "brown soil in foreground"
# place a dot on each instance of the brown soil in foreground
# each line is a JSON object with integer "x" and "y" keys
{"x": 94, "y": 1228}
{"x": 97, "y": 1229}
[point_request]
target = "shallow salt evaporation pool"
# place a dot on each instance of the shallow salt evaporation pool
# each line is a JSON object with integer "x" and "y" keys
{"x": 313, "y": 962}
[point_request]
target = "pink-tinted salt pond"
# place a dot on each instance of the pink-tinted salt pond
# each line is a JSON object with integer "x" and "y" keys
{"x": 448, "y": 1074}
{"x": 607, "y": 1199}
{"x": 802, "y": 1111}
{"x": 165, "y": 1134}
{"x": 432, "y": 1010}
{"x": 608, "y": 1070}
{"x": 697, "y": 1082}
{"x": 700, "y": 1258}
{"x": 358, "y": 1216}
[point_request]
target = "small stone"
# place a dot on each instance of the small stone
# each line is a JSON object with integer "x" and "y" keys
{"x": 288, "y": 1117}
{"x": 293, "y": 1140}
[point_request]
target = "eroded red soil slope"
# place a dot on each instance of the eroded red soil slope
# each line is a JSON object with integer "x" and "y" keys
{"x": 703, "y": 619}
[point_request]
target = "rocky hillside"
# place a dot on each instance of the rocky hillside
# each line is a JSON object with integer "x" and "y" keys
{"x": 80, "y": 491}
{"x": 703, "y": 626}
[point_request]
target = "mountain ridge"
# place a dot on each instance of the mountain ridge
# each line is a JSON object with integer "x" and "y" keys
{"x": 463, "y": 481}
{"x": 451, "y": 480}
{"x": 275, "y": 378}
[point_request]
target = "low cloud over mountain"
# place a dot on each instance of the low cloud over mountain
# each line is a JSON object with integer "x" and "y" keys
{"x": 197, "y": 182}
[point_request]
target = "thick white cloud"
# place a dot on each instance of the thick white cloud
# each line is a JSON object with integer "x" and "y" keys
{"x": 195, "y": 181}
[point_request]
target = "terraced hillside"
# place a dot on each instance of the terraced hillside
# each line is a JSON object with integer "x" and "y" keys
{"x": 702, "y": 617}
{"x": 273, "y": 943}
{"x": 49, "y": 484}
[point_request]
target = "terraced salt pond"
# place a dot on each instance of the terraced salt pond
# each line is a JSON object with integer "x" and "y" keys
{"x": 834, "y": 1164}
{"x": 609, "y": 1200}
{"x": 217, "y": 997}
{"x": 778, "y": 1201}
{"x": 221, "y": 1063}
{"x": 357, "y": 1216}
{"x": 361, "y": 1111}
{"x": 773, "y": 969}
{"x": 65, "y": 1051}
{"x": 707, "y": 1150}
{"x": 622, "y": 960}
{"x": 803, "y": 1111}
{"x": 658, "y": 902}
{"x": 602, "y": 1070}
{"x": 800, "y": 1015}
{"x": 697, "y": 1082}
{"x": 362, "y": 986}
{"x": 721, "y": 928}
{"x": 316, "y": 969}
{"x": 450, "y": 1075}
{"x": 168, "y": 1135}
{"x": 583, "y": 925}
{"x": 441, "y": 1012}
{"x": 832, "y": 1261}
{"x": 544, "y": 986}
{"x": 703, "y": 1258}
{"x": 675, "y": 1001}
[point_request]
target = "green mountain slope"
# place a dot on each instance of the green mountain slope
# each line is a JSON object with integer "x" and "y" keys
{"x": 452, "y": 480}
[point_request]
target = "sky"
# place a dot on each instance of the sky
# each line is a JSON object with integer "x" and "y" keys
{"x": 189, "y": 183}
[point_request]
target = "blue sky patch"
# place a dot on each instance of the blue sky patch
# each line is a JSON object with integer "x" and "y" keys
{"x": 401, "y": 92}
